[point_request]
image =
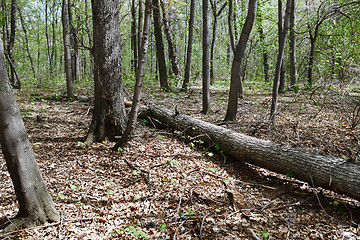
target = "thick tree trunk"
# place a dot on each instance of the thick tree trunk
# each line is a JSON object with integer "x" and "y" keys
{"x": 205, "y": 59}
{"x": 35, "y": 204}
{"x": 235, "y": 83}
{"x": 328, "y": 172}
{"x": 279, "y": 62}
{"x": 67, "y": 51}
{"x": 160, "y": 54}
{"x": 189, "y": 46}
{"x": 131, "y": 124}
{"x": 109, "y": 119}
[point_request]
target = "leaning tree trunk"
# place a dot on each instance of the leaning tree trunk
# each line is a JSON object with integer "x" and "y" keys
{"x": 139, "y": 79}
{"x": 109, "y": 119}
{"x": 279, "y": 62}
{"x": 328, "y": 172}
{"x": 235, "y": 82}
{"x": 35, "y": 203}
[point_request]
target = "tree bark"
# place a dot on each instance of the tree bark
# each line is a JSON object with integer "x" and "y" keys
{"x": 35, "y": 203}
{"x": 280, "y": 30}
{"x": 160, "y": 54}
{"x": 131, "y": 124}
{"x": 109, "y": 118}
{"x": 74, "y": 43}
{"x": 263, "y": 46}
{"x": 171, "y": 44}
{"x": 328, "y": 172}
{"x": 235, "y": 83}
{"x": 230, "y": 25}
{"x": 189, "y": 46}
{"x": 279, "y": 63}
{"x": 216, "y": 15}
{"x": 67, "y": 51}
{"x": 134, "y": 36}
{"x": 11, "y": 43}
{"x": 293, "y": 71}
{"x": 205, "y": 59}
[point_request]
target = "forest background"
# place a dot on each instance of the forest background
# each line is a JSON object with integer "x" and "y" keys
{"x": 326, "y": 52}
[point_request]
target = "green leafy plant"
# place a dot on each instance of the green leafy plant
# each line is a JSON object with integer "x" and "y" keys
{"x": 162, "y": 227}
{"x": 190, "y": 213}
{"x": 75, "y": 186}
{"x": 136, "y": 231}
{"x": 121, "y": 149}
{"x": 137, "y": 196}
{"x": 264, "y": 235}
{"x": 60, "y": 196}
{"x": 290, "y": 174}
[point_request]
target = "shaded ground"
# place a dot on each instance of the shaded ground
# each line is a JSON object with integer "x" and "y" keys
{"x": 181, "y": 192}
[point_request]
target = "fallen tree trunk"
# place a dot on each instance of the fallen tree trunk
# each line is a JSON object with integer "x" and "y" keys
{"x": 319, "y": 170}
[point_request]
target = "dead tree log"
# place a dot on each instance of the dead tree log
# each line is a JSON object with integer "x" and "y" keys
{"x": 332, "y": 173}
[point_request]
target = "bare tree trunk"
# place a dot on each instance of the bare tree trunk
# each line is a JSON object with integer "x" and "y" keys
{"x": 12, "y": 42}
{"x": 27, "y": 42}
{"x": 205, "y": 58}
{"x": 216, "y": 15}
{"x": 160, "y": 55}
{"x": 109, "y": 118}
{"x": 139, "y": 79}
{"x": 140, "y": 25}
{"x": 67, "y": 51}
{"x": 189, "y": 46}
{"x": 171, "y": 45}
{"x": 235, "y": 83}
{"x": 293, "y": 71}
{"x": 313, "y": 37}
{"x": 265, "y": 53}
{"x": 134, "y": 36}
{"x": 336, "y": 174}
{"x": 280, "y": 29}
{"x": 230, "y": 25}
{"x": 74, "y": 43}
{"x": 279, "y": 62}
{"x": 35, "y": 204}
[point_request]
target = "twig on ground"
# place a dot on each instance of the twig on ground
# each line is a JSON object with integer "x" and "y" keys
{"x": 9, "y": 220}
{"x": 177, "y": 229}
{"x": 254, "y": 234}
{"x": 139, "y": 170}
{"x": 53, "y": 224}
{"x": 202, "y": 224}
{"x": 61, "y": 219}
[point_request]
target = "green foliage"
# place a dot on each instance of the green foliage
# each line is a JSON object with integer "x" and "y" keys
{"x": 162, "y": 227}
{"x": 290, "y": 174}
{"x": 135, "y": 231}
{"x": 264, "y": 235}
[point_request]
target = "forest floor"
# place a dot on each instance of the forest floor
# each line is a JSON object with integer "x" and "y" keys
{"x": 162, "y": 187}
